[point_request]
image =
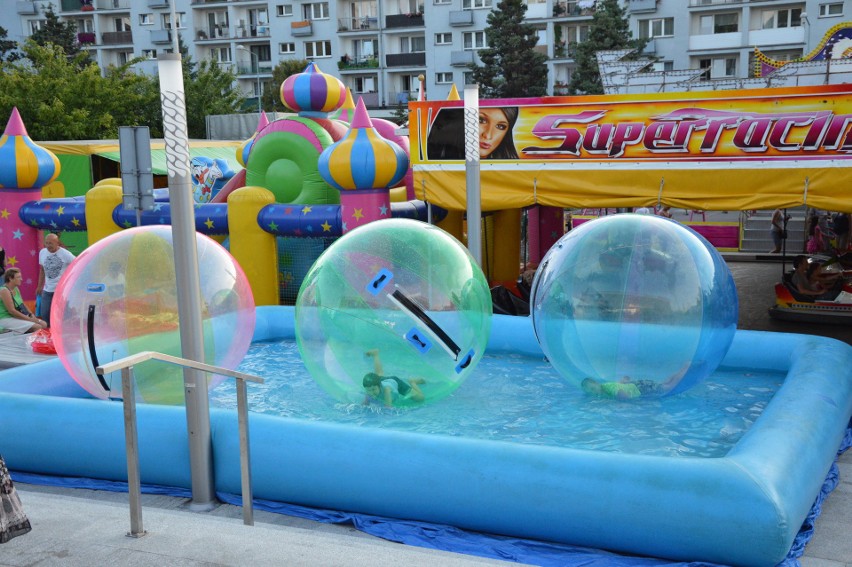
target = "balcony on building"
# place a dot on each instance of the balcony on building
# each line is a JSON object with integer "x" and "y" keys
{"x": 412, "y": 20}
{"x": 74, "y": 6}
{"x": 158, "y": 3}
{"x": 573, "y": 8}
{"x": 347, "y": 63}
{"x": 26, "y": 8}
{"x": 212, "y": 33}
{"x": 402, "y": 97}
{"x": 254, "y": 68}
{"x": 301, "y": 28}
{"x": 778, "y": 36}
{"x": 700, "y": 3}
{"x": 118, "y": 38}
{"x": 639, "y": 6}
{"x": 112, "y": 4}
{"x": 86, "y": 38}
{"x": 461, "y": 58}
{"x": 371, "y": 100}
{"x": 732, "y": 40}
{"x": 461, "y": 18}
{"x": 406, "y": 59}
{"x": 536, "y": 11}
{"x": 361, "y": 23}
{"x": 159, "y": 36}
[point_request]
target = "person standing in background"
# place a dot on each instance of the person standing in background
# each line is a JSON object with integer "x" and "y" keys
{"x": 779, "y": 220}
{"x": 53, "y": 261}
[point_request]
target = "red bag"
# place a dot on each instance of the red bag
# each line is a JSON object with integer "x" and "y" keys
{"x": 41, "y": 342}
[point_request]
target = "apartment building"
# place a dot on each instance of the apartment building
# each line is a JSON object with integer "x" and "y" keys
{"x": 379, "y": 48}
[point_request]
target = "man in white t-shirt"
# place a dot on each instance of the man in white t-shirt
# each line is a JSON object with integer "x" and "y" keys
{"x": 52, "y": 262}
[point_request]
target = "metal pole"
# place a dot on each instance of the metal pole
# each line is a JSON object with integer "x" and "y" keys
{"x": 245, "y": 452}
{"x": 131, "y": 440}
{"x": 188, "y": 279}
{"x": 257, "y": 79}
{"x": 471, "y": 155}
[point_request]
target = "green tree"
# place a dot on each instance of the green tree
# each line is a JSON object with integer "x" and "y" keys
{"x": 510, "y": 65}
{"x": 271, "y": 100}
{"x": 208, "y": 89}
{"x": 63, "y": 34}
{"x": 8, "y": 48}
{"x": 610, "y": 30}
{"x": 60, "y": 100}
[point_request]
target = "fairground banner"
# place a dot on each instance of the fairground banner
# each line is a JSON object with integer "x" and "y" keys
{"x": 721, "y": 150}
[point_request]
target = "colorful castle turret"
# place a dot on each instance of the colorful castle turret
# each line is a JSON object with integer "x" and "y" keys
{"x": 363, "y": 166}
{"x": 312, "y": 92}
{"x": 25, "y": 167}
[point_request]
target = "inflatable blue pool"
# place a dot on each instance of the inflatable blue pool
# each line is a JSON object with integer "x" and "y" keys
{"x": 744, "y": 508}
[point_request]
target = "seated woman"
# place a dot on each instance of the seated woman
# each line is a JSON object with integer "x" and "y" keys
{"x": 14, "y": 315}
{"x": 389, "y": 389}
{"x": 803, "y": 282}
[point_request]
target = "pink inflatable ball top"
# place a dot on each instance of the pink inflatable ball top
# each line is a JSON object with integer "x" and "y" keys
{"x": 124, "y": 288}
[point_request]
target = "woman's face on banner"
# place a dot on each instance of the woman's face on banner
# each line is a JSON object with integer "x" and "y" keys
{"x": 493, "y": 126}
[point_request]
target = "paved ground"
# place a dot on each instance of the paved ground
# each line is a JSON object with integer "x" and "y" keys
{"x": 75, "y": 527}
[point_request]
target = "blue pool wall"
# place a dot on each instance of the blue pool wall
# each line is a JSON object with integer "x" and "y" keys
{"x": 744, "y": 508}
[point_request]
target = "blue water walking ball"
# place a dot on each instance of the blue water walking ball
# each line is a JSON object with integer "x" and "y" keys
{"x": 634, "y": 300}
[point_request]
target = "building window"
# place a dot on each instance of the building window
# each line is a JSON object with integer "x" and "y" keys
{"x": 576, "y": 34}
{"x": 167, "y": 20}
{"x": 365, "y": 85}
{"x": 443, "y": 38}
{"x": 36, "y": 25}
{"x": 145, "y": 20}
{"x": 475, "y": 4}
{"x": 284, "y": 10}
{"x": 718, "y": 68}
{"x": 658, "y": 27}
{"x": 443, "y": 78}
{"x": 830, "y": 10}
{"x": 317, "y": 11}
{"x": 149, "y": 53}
{"x": 317, "y": 49}
{"x": 468, "y": 78}
{"x": 474, "y": 40}
{"x": 772, "y": 19}
{"x": 443, "y": 2}
{"x": 287, "y": 48}
{"x": 660, "y": 66}
{"x": 415, "y": 44}
{"x": 220, "y": 54}
{"x": 719, "y": 23}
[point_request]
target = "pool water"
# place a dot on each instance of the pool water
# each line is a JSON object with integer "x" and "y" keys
{"x": 519, "y": 399}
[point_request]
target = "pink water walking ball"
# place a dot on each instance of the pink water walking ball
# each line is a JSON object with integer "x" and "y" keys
{"x": 634, "y": 305}
{"x": 119, "y": 297}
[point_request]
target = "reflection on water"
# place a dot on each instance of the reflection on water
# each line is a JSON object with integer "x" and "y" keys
{"x": 520, "y": 399}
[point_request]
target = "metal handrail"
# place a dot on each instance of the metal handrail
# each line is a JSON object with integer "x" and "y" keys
{"x": 131, "y": 437}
